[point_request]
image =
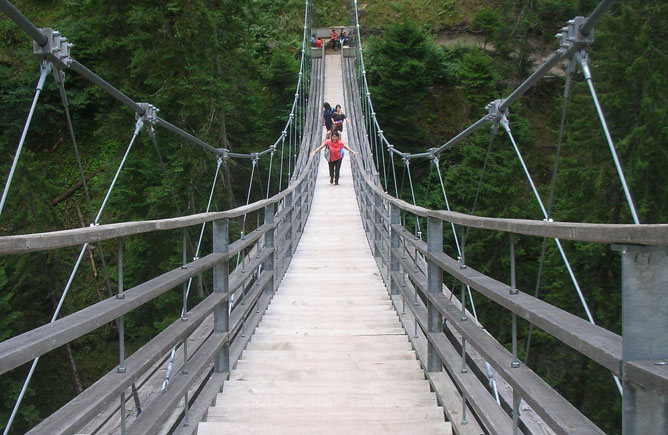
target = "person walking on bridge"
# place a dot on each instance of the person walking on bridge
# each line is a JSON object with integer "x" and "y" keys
{"x": 334, "y": 145}
{"x": 338, "y": 117}
{"x": 327, "y": 115}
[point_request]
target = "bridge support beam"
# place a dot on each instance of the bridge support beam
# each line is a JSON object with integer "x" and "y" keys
{"x": 435, "y": 285}
{"x": 645, "y": 341}
{"x": 221, "y": 284}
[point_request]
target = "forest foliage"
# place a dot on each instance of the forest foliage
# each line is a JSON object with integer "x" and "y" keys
{"x": 225, "y": 71}
{"x": 425, "y": 92}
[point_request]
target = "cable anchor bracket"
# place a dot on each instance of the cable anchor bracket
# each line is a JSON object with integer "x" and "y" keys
{"x": 56, "y": 49}
{"x": 570, "y": 37}
{"x": 149, "y": 117}
{"x": 495, "y": 114}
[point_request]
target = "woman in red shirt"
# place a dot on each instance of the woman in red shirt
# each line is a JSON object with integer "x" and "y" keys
{"x": 334, "y": 144}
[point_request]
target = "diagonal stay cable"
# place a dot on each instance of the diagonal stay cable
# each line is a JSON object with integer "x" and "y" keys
{"x": 44, "y": 68}
{"x": 567, "y": 86}
{"x": 250, "y": 186}
{"x": 465, "y": 232}
{"x": 60, "y": 79}
{"x": 280, "y": 174}
{"x": 271, "y": 160}
{"x": 454, "y": 233}
{"x": 582, "y": 59}
{"x": 394, "y": 172}
{"x": 138, "y": 127}
{"x": 504, "y": 123}
{"x": 490, "y": 375}
{"x": 168, "y": 372}
{"x": 410, "y": 182}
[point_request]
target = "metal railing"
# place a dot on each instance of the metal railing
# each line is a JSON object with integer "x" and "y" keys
{"x": 401, "y": 254}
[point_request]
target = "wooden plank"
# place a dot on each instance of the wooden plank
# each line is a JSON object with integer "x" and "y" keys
{"x": 347, "y": 347}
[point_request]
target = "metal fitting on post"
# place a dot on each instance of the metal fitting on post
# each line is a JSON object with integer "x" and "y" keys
{"x": 494, "y": 113}
{"x": 150, "y": 115}
{"x": 432, "y": 155}
{"x": 56, "y": 49}
{"x": 570, "y": 35}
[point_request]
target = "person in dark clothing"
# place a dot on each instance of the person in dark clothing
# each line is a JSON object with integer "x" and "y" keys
{"x": 335, "y": 145}
{"x": 327, "y": 116}
{"x": 334, "y": 40}
{"x": 338, "y": 117}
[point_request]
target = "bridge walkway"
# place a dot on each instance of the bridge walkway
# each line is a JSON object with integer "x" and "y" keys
{"x": 330, "y": 354}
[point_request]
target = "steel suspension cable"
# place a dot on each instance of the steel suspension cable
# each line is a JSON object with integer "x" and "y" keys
{"x": 394, "y": 173}
{"x": 504, "y": 123}
{"x": 410, "y": 182}
{"x": 465, "y": 232}
{"x": 382, "y": 152}
{"x": 280, "y": 175}
{"x": 250, "y": 186}
{"x": 569, "y": 73}
{"x": 271, "y": 160}
{"x": 454, "y": 235}
{"x": 168, "y": 372}
{"x": 138, "y": 128}
{"x": 582, "y": 59}
{"x": 60, "y": 80}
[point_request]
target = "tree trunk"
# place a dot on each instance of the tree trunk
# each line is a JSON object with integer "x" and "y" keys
{"x": 69, "y": 192}
{"x": 70, "y": 359}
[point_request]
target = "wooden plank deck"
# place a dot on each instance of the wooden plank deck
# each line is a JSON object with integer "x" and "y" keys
{"x": 330, "y": 355}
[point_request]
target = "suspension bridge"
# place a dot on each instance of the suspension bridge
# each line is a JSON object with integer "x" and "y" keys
{"x": 331, "y": 316}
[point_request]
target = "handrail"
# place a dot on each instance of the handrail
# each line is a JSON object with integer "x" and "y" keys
{"x": 289, "y": 208}
{"x": 79, "y": 236}
{"x": 644, "y": 234}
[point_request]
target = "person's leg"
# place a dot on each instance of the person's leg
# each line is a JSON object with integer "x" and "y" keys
{"x": 337, "y": 170}
{"x": 331, "y": 171}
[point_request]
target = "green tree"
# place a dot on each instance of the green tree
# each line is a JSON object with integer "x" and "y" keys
{"x": 399, "y": 71}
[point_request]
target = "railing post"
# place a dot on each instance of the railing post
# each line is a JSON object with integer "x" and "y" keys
{"x": 377, "y": 220}
{"x": 289, "y": 221}
{"x": 644, "y": 326}
{"x": 184, "y": 310}
{"x": 367, "y": 209}
{"x": 121, "y": 323}
{"x": 221, "y": 284}
{"x": 395, "y": 219}
{"x": 298, "y": 207}
{"x": 269, "y": 244}
{"x": 434, "y": 286}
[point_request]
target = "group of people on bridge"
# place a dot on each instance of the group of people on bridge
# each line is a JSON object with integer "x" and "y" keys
{"x": 336, "y": 40}
{"x": 332, "y": 120}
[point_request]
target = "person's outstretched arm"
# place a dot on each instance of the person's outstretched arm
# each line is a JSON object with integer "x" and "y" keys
{"x": 346, "y": 147}
{"x": 319, "y": 148}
